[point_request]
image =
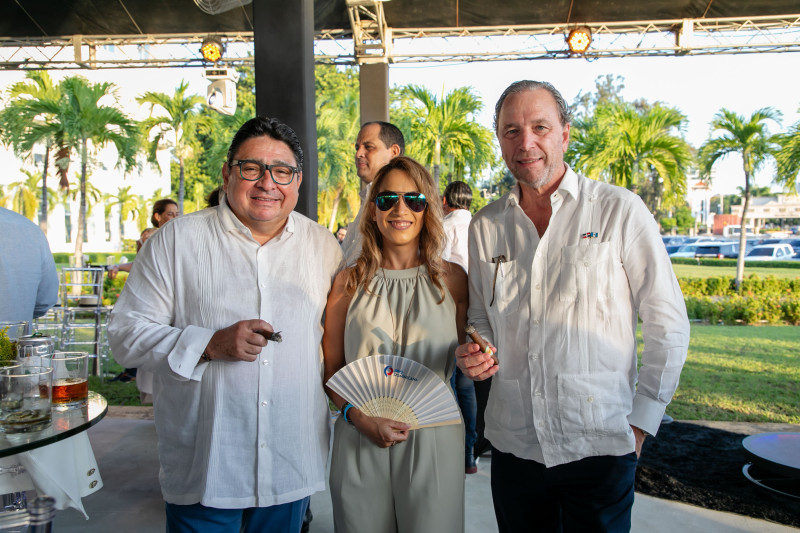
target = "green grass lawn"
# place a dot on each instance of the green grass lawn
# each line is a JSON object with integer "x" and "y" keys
{"x": 740, "y": 373}
{"x": 697, "y": 271}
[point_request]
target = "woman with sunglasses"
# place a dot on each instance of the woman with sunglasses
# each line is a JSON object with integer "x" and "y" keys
{"x": 399, "y": 298}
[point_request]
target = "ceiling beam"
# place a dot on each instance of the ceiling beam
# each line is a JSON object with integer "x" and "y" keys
{"x": 376, "y": 42}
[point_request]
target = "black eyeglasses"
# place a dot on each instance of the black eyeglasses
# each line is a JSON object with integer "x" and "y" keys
{"x": 415, "y": 201}
{"x": 254, "y": 170}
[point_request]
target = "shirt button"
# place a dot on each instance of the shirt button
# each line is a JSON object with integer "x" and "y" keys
{"x": 535, "y": 357}
{"x": 264, "y": 403}
{"x": 538, "y": 394}
{"x": 590, "y": 399}
{"x": 587, "y": 263}
{"x": 262, "y": 285}
{"x": 535, "y": 322}
{"x": 265, "y": 362}
{"x": 263, "y": 444}
{"x": 538, "y": 286}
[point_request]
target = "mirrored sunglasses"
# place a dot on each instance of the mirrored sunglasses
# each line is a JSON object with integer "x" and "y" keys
{"x": 415, "y": 201}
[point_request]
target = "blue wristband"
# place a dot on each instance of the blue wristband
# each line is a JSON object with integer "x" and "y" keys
{"x": 345, "y": 408}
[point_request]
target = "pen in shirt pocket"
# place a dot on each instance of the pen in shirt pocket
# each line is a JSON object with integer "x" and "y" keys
{"x": 497, "y": 261}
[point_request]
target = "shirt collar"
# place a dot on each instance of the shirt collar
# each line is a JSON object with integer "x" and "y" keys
{"x": 568, "y": 186}
{"x": 230, "y": 222}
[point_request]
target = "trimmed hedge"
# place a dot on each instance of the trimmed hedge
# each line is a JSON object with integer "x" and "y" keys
{"x": 732, "y": 262}
{"x": 95, "y": 258}
{"x": 752, "y": 286}
{"x": 744, "y": 310}
{"x": 763, "y": 300}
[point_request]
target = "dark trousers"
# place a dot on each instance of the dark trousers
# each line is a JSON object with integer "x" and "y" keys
{"x": 594, "y": 494}
{"x": 197, "y": 518}
{"x": 464, "y": 388}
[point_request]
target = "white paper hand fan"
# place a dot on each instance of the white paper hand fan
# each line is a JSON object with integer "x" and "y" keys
{"x": 394, "y": 387}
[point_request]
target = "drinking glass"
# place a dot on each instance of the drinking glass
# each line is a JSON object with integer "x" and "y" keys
{"x": 70, "y": 380}
{"x": 25, "y": 398}
{"x": 9, "y": 333}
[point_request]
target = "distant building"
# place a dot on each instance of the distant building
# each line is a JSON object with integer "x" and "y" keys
{"x": 765, "y": 208}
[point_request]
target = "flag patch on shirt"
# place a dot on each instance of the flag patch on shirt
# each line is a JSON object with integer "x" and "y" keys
{"x": 589, "y": 235}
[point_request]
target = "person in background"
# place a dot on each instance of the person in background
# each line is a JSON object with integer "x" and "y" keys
{"x": 212, "y": 200}
{"x": 456, "y": 199}
{"x": 341, "y": 233}
{"x": 28, "y": 277}
{"x": 164, "y": 210}
{"x": 561, "y": 269}
{"x": 377, "y": 143}
{"x": 399, "y": 298}
{"x": 241, "y": 417}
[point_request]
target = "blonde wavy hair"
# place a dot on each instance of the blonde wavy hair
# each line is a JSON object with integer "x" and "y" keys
{"x": 431, "y": 238}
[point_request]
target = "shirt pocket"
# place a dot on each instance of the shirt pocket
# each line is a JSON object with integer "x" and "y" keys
{"x": 594, "y": 404}
{"x": 502, "y": 293}
{"x": 505, "y": 405}
{"x": 586, "y": 270}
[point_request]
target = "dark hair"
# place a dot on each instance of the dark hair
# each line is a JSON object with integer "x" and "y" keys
{"x": 389, "y": 134}
{"x": 271, "y": 127}
{"x": 529, "y": 85}
{"x": 212, "y": 200}
{"x": 159, "y": 207}
{"x": 458, "y": 195}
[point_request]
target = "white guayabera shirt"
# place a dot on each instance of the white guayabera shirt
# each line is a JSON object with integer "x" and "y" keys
{"x": 562, "y": 312}
{"x": 456, "y": 231}
{"x": 232, "y": 434}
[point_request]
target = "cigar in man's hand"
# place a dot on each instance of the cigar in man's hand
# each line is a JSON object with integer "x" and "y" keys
{"x": 480, "y": 341}
{"x": 274, "y": 336}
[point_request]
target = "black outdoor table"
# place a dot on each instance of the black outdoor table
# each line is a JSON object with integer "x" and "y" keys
{"x": 776, "y": 458}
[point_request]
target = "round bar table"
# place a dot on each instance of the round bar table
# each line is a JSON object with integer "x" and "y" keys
{"x": 777, "y": 454}
{"x": 64, "y": 424}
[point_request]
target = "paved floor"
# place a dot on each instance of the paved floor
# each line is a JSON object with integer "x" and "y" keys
{"x": 130, "y": 501}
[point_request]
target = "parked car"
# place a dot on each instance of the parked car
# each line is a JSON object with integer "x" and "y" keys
{"x": 688, "y": 250}
{"x": 672, "y": 248}
{"x": 794, "y": 243}
{"x": 770, "y": 252}
{"x": 720, "y": 250}
{"x": 672, "y": 240}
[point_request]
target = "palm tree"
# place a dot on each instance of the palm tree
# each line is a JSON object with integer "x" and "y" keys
{"x": 639, "y": 147}
{"x": 337, "y": 127}
{"x": 24, "y": 125}
{"x": 181, "y": 120}
{"x": 25, "y": 194}
{"x": 86, "y": 123}
{"x": 749, "y": 138}
{"x": 447, "y": 127}
{"x": 788, "y": 158}
{"x": 128, "y": 206}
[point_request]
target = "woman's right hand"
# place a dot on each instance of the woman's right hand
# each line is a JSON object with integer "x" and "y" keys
{"x": 384, "y": 432}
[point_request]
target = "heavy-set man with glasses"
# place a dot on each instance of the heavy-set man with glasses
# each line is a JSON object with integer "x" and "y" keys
{"x": 242, "y": 421}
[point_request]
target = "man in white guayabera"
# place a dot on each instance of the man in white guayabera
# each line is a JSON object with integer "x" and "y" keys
{"x": 560, "y": 269}
{"x": 241, "y": 415}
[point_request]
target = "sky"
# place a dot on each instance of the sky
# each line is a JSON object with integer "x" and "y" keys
{"x": 699, "y": 86}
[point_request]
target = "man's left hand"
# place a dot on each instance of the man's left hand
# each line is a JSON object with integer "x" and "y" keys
{"x": 640, "y": 436}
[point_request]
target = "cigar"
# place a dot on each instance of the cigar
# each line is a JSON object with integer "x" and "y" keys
{"x": 477, "y": 339}
{"x": 274, "y": 336}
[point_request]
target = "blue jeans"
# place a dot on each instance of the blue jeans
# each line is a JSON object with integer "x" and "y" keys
{"x": 594, "y": 494}
{"x": 464, "y": 389}
{"x": 197, "y": 518}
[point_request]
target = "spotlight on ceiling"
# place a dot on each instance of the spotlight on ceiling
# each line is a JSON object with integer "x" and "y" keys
{"x": 579, "y": 39}
{"x": 212, "y": 49}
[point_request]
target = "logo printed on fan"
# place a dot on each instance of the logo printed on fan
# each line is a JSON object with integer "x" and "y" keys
{"x": 389, "y": 371}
